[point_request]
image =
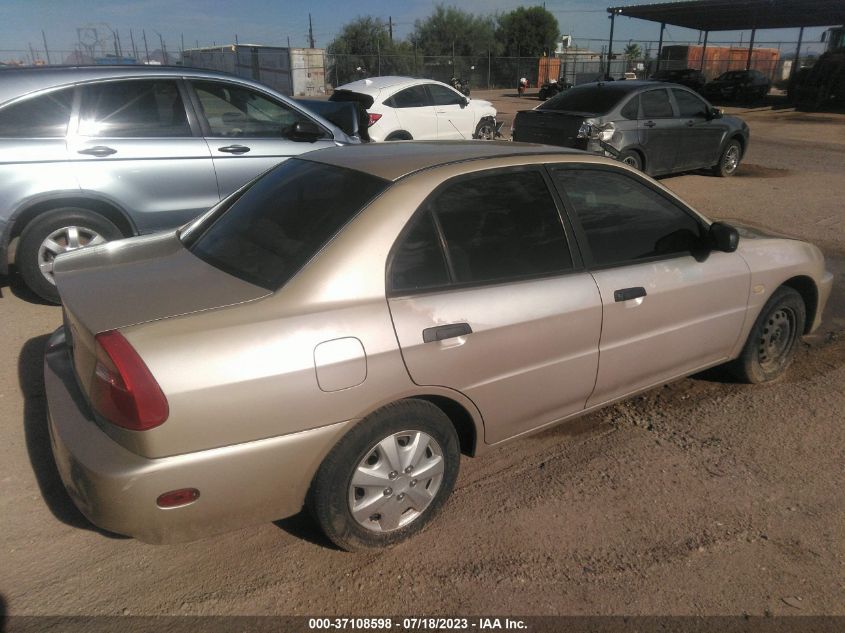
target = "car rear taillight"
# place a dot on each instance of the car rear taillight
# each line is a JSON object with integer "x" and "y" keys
{"x": 373, "y": 117}
{"x": 123, "y": 390}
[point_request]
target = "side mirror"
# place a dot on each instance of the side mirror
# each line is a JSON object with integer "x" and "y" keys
{"x": 306, "y": 131}
{"x": 723, "y": 237}
{"x": 464, "y": 102}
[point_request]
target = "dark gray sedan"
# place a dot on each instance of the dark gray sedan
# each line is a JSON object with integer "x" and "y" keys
{"x": 656, "y": 127}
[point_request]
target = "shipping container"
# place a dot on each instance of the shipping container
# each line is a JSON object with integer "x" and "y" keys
{"x": 720, "y": 59}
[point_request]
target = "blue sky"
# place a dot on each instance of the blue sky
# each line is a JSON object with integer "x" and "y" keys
{"x": 271, "y": 22}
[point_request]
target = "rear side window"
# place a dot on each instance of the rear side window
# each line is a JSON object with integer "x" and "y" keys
{"x": 624, "y": 220}
{"x": 631, "y": 110}
{"x": 495, "y": 228}
{"x": 413, "y": 97}
{"x": 656, "y": 104}
{"x": 283, "y": 220}
{"x": 133, "y": 109}
{"x": 689, "y": 105}
{"x": 45, "y": 116}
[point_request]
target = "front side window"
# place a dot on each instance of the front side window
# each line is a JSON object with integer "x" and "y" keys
{"x": 45, "y": 116}
{"x": 234, "y": 111}
{"x": 495, "y": 228}
{"x": 689, "y": 106}
{"x": 283, "y": 220}
{"x": 656, "y": 105}
{"x": 624, "y": 220}
{"x": 133, "y": 109}
{"x": 413, "y": 97}
{"x": 443, "y": 96}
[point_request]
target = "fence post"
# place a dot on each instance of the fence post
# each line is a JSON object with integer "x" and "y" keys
{"x": 489, "y": 64}
{"x": 796, "y": 62}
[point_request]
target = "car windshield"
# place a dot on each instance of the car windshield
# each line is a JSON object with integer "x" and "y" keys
{"x": 733, "y": 74}
{"x": 593, "y": 99}
{"x": 279, "y": 223}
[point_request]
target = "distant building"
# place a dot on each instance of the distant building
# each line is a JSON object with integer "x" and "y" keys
{"x": 291, "y": 71}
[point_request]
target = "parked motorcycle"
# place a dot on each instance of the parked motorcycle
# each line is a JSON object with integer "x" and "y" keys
{"x": 461, "y": 85}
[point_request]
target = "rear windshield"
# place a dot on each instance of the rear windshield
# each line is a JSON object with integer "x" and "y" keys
{"x": 271, "y": 231}
{"x": 348, "y": 95}
{"x": 589, "y": 99}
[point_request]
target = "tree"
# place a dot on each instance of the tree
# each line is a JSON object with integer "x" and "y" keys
{"x": 529, "y": 32}
{"x": 363, "y": 49}
{"x": 450, "y": 31}
{"x": 633, "y": 52}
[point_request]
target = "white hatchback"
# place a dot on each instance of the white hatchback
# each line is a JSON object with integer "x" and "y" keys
{"x": 404, "y": 108}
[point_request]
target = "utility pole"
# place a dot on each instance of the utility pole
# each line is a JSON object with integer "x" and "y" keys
{"x": 132, "y": 41}
{"x": 46, "y": 50}
{"x": 119, "y": 47}
{"x": 32, "y": 53}
{"x": 182, "y": 50}
{"x": 310, "y": 33}
{"x": 146, "y": 50}
{"x": 163, "y": 49}
{"x": 390, "y": 27}
{"x": 288, "y": 42}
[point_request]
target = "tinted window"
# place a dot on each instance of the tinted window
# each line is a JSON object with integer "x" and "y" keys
{"x": 283, "y": 220}
{"x": 656, "y": 104}
{"x": 501, "y": 226}
{"x": 632, "y": 108}
{"x": 592, "y": 98}
{"x": 133, "y": 109}
{"x": 419, "y": 261}
{"x": 624, "y": 220}
{"x": 40, "y": 117}
{"x": 348, "y": 95}
{"x": 413, "y": 97}
{"x": 239, "y": 112}
{"x": 441, "y": 95}
{"x": 689, "y": 105}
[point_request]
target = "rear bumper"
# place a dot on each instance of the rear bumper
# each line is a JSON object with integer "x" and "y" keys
{"x": 116, "y": 489}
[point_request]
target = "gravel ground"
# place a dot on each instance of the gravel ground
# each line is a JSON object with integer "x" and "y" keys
{"x": 702, "y": 497}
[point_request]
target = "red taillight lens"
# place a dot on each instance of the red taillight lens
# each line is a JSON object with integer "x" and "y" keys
{"x": 373, "y": 118}
{"x": 123, "y": 390}
{"x": 176, "y": 498}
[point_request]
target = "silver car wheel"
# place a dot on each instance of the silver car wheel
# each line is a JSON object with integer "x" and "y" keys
{"x": 63, "y": 240}
{"x": 396, "y": 481}
{"x": 631, "y": 161}
{"x": 731, "y": 159}
{"x": 777, "y": 339}
{"x": 486, "y": 132}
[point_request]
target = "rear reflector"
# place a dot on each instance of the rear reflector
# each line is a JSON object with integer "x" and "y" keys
{"x": 373, "y": 118}
{"x": 176, "y": 498}
{"x": 123, "y": 390}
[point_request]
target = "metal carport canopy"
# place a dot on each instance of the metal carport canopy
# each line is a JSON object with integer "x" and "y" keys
{"x": 738, "y": 15}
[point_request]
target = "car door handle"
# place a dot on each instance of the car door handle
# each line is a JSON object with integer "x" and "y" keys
{"x": 443, "y": 332}
{"x": 99, "y": 151}
{"x": 234, "y": 149}
{"x": 649, "y": 124}
{"x": 440, "y": 111}
{"x": 626, "y": 294}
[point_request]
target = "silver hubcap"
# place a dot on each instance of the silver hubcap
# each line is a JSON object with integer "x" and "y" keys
{"x": 631, "y": 161}
{"x": 777, "y": 339}
{"x": 486, "y": 133}
{"x": 68, "y": 238}
{"x": 731, "y": 158}
{"x": 396, "y": 481}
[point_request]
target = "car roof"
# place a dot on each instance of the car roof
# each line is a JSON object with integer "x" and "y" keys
{"x": 16, "y": 82}
{"x": 373, "y": 85}
{"x": 396, "y": 159}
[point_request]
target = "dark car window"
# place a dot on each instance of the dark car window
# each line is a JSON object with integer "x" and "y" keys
{"x": 442, "y": 96}
{"x": 133, "y": 109}
{"x": 631, "y": 110}
{"x": 235, "y": 111}
{"x": 413, "y": 97}
{"x": 689, "y": 105}
{"x": 419, "y": 261}
{"x": 45, "y": 116}
{"x": 283, "y": 220}
{"x": 656, "y": 105}
{"x": 499, "y": 227}
{"x": 597, "y": 98}
{"x": 624, "y": 220}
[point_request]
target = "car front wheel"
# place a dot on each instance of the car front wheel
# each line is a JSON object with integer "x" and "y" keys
{"x": 774, "y": 338}
{"x": 729, "y": 160}
{"x": 53, "y": 233}
{"x": 387, "y": 478}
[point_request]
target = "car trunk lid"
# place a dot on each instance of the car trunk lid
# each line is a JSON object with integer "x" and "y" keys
{"x": 551, "y": 127}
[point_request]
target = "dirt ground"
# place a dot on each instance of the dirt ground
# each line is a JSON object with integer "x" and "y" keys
{"x": 699, "y": 498}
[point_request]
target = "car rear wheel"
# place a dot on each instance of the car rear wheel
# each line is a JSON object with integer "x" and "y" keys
{"x": 729, "y": 160}
{"x": 773, "y": 340}
{"x": 53, "y": 233}
{"x": 632, "y": 159}
{"x": 387, "y": 478}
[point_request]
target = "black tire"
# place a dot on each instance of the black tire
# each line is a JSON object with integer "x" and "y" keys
{"x": 728, "y": 162}
{"x": 399, "y": 136}
{"x": 29, "y": 259}
{"x": 485, "y": 130}
{"x": 632, "y": 159}
{"x": 332, "y": 491}
{"x": 774, "y": 338}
